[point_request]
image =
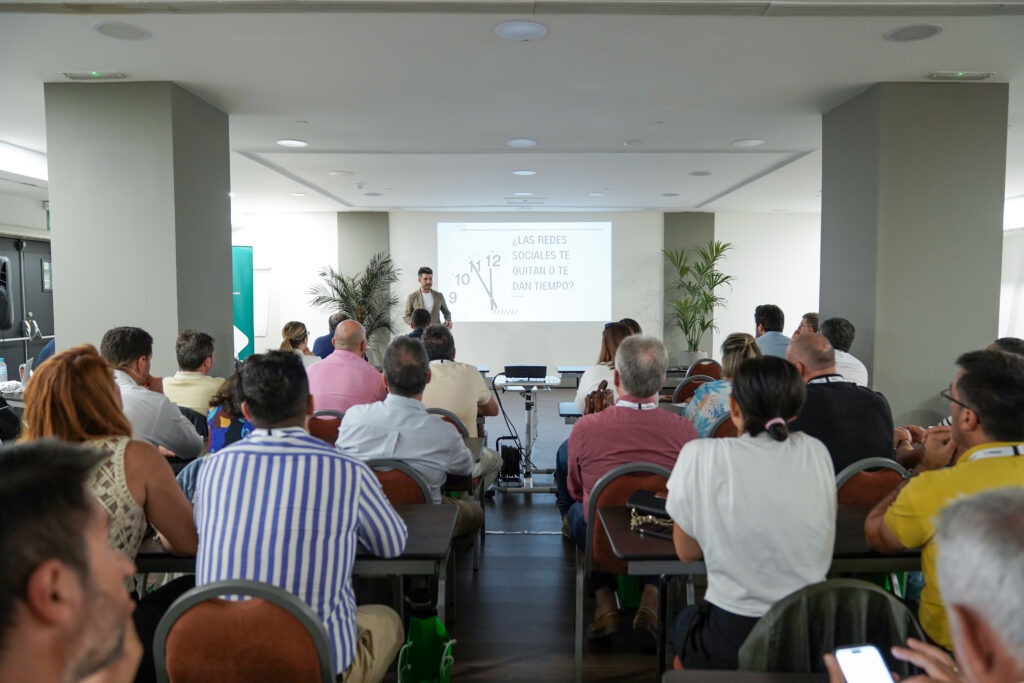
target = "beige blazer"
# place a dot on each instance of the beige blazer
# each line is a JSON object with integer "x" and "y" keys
{"x": 415, "y": 301}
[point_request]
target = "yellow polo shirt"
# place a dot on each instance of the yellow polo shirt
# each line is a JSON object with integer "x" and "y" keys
{"x": 913, "y": 515}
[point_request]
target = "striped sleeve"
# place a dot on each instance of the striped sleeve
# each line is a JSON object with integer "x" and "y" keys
{"x": 380, "y": 528}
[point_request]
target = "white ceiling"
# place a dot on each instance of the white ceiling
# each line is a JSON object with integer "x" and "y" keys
{"x": 417, "y": 102}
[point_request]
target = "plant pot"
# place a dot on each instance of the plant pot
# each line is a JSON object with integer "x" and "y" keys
{"x": 685, "y": 359}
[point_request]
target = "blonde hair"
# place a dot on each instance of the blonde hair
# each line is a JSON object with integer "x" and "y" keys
{"x": 294, "y": 334}
{"x": 737, "y": 347}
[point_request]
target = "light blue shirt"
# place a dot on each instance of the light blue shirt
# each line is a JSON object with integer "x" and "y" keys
{"x": 401, "y": 428}
{"x": 773, "y": 344}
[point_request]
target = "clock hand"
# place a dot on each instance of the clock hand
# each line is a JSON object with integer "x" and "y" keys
{"x": 490, "y": 279}
{"x": 481, "y": 278}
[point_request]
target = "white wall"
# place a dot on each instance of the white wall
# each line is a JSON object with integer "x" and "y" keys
{"x": 295, "y": 247}
{"x": 22, "y": 217}
{"x": 637, "y": 289}
{"x": 775, "y": 259}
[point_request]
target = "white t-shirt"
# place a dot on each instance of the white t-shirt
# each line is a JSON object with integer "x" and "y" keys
{"x": 851, "y": 369}
{"x": 428, "y": 301}
{"x": 763, "y": 512}
{"x": 590, "y": 380}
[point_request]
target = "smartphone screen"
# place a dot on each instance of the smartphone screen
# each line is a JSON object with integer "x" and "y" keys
{"x": 863, "y": 664}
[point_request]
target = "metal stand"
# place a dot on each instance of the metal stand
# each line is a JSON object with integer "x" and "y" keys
{"x": 529, "y": 391}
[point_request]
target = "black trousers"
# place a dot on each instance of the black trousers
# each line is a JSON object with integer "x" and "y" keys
{"x": 147, "y": 615}
{"x": 708, "y": 637}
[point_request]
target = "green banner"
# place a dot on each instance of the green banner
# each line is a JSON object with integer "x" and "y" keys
{"x": 242, "y": 298}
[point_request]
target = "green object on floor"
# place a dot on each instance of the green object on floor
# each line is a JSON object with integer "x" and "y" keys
{"x": 426, "y": 656}
{"x": 629, "y": 590}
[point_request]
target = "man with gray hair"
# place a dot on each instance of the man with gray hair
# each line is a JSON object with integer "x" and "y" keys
{"x": 344, "y": 379}
{"x": 400, "y": 427}
{"x": 633, "y": 430}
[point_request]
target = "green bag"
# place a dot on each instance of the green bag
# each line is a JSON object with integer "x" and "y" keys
{"x": 426, "y": 656}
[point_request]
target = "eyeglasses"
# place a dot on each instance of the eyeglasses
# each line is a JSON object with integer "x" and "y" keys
{"x": 948, "y": 395}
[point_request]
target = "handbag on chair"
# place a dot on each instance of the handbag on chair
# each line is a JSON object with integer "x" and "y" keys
{"x": 598, "y": 399}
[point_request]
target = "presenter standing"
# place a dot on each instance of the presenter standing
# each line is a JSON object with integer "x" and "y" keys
{"x": 425, "y": 297}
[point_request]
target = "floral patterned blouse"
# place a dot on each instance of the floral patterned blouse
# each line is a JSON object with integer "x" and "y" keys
{"x": 709, "y": 403}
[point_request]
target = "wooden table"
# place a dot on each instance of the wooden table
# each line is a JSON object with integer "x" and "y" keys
{"x": 651, "y": 556}
{"x": 426, "y": 551}
{"x": 573, "y": 372}
{"x": 694, "y": 676}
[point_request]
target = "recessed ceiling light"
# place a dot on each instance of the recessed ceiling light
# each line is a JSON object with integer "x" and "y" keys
{"x": 339, "y": 173}
{"x": 521, "y": 143}
{"x": 960, "y": 75}
{"x": 521, "y": 30}
{"x": 287, "y": 142}
{"x": 524, "y": 173}
{"x": 700, "y": 173}
{"x": 298, "y": 194}
{"x": 906, "y": 34}
{"x": 373, "y": 194}
{"x": 523, "y": 194}
{"x": 669, "y": 194}
{"x": 748, "y": 142}
{"x": 93, "y": 75}
{"x": 597, "y": 194}
{"x": 633, "y": 142}
{"x": 302, "y": 122}
{"x": 120, "y": 30}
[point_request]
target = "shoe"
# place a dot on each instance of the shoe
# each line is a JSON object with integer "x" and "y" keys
{"x": 645, "y": 623}
{"x": 565, "y": 528}
{"x": 604, "y": 626}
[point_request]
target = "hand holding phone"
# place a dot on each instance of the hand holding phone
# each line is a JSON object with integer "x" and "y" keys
{"x": 863, "y": 664}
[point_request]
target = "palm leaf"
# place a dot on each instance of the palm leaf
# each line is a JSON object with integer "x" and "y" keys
{"x": 365, "y": 298}
{"x": 696, "y": 279}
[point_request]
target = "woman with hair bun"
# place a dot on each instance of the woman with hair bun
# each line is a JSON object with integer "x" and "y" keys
{"x": 760, "y": 510}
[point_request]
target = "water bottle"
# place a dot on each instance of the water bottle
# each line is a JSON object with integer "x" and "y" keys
{"x": 3, "y": 371}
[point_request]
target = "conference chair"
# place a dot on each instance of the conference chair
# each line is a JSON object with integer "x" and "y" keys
{"x": 855, "y": 485}
{"x": 612, "y": 489}
{"x": 456, "y": 484}
{"x": 685, "y": 389}
{"x": 324, "y": 425}
{"x": 705, "y": 366}
{"x": 273, "y": 636}
{"x": 724, "y": 427}
{"x": 401, "y": 483}
{"x": 449, "y": 416}
{"x": 803, "y": 626}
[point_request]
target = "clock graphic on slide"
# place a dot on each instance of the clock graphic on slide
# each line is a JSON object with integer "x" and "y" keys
{"x": 479, "y": 281}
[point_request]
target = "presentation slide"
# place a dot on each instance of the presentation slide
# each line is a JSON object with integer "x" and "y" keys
{"x": 525, "y": 272}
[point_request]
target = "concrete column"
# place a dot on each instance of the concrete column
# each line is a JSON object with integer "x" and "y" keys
{"x": 683, "y": 230}
{"x": 361, "y": 234}
{"x": 911, "y": 231}
{"x": 140, "y": 219}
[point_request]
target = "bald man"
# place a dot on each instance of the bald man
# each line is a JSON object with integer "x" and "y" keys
{"x": 853, "y": 421}
{"x": 344, "y": 379}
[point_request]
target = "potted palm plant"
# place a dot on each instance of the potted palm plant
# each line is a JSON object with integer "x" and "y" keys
{"x": 365, "y": 298}
{"x": 697, "y": 275}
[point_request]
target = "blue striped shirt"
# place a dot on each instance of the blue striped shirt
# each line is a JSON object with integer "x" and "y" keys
{"x": 285, "y": 508}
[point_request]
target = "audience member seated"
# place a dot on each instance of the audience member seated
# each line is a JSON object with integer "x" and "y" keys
{"x": 760, "y": 510}
{"x": 322, "y": 507}
{"x": 808, "y": 323}
{"x": 633, "y": 430}
{"x": 769, "y": 321}
{"x": 153, "y": 417}
{"x": 853, "y": 421}
{"x": 295, "y": 337}
{"x": 400, "y": 427}
{"x": 612, "y": 336}
{"x": 982, "y": 542}
{"x": 10, "y": 423}
{"x": 634, "y": 326}
{"x": 323, "y": 346}
{"x": 46, "y": 352}
{"x": 420, "y": 322}
{"x": 840, "y": 333}
{"x": 710, "y": 402}
{"x": 64, "y": 610}
{"x": 73, "y": 398}
{"x": 344, "y": 379}
{"x": 986, "y": 402}
{"x": 459, "y": 388}
{"x": 191, "y": 385}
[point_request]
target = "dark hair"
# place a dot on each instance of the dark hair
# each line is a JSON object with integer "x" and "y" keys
{"x": 192, "y": 349}
{"x": 420, "y": 317}
{"x": 122, "y": 346}
{"x": 770, "y": 317}
{"x": 335, "y": 320}
{"x": 993, "y": 386}
{"x": 766, "y": 388}
{"x": 274, "y": 387}
{"x": 634, "y": 326}
{"x": 839, "y": 332}
{"x": 424, "y": 270}
{"x": 1010, "y": 345}
{"x": 44, "y": 511}
{"x": 406, "y": 367}
{"x": 812, "y": 320}
{"x": 229, "y": 397}
{"x": 439, "y": 343}
{"x": 611, "y": 337}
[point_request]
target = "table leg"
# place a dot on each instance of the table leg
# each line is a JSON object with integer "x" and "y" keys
{"x": 659, "y": 670}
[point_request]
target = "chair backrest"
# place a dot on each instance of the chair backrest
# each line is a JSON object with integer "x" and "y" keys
{"x": 325, "y": 424}
{"x": 804, "y": 625}
{"x": 401, "y": 483}
{"x": 724, "y": 427}
{"x": 449, "y": 416}
{"x": 197, "y": 419}
{"x": 685, "y": 389}
{"x": 614, "y": 489}
{"x": 705, "y": 366}
{"x": 855, "y": 485}
{"x": 274, "y": 636}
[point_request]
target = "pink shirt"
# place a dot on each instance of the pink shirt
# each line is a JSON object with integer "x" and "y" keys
{"x": 343, "y": 380}
{"x": 620, "y": 435}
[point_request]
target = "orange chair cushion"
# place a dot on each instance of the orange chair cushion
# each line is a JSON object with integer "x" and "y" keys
{"x": 709, "y": 369}
{"x": 868, "y": 488}
{"x": 325, "y": 428}
{"x": 399, "y": 487}
{"x": 728, "y": 428}
{"x": 251, "y": 641}
{"x": 616, "y": 493}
